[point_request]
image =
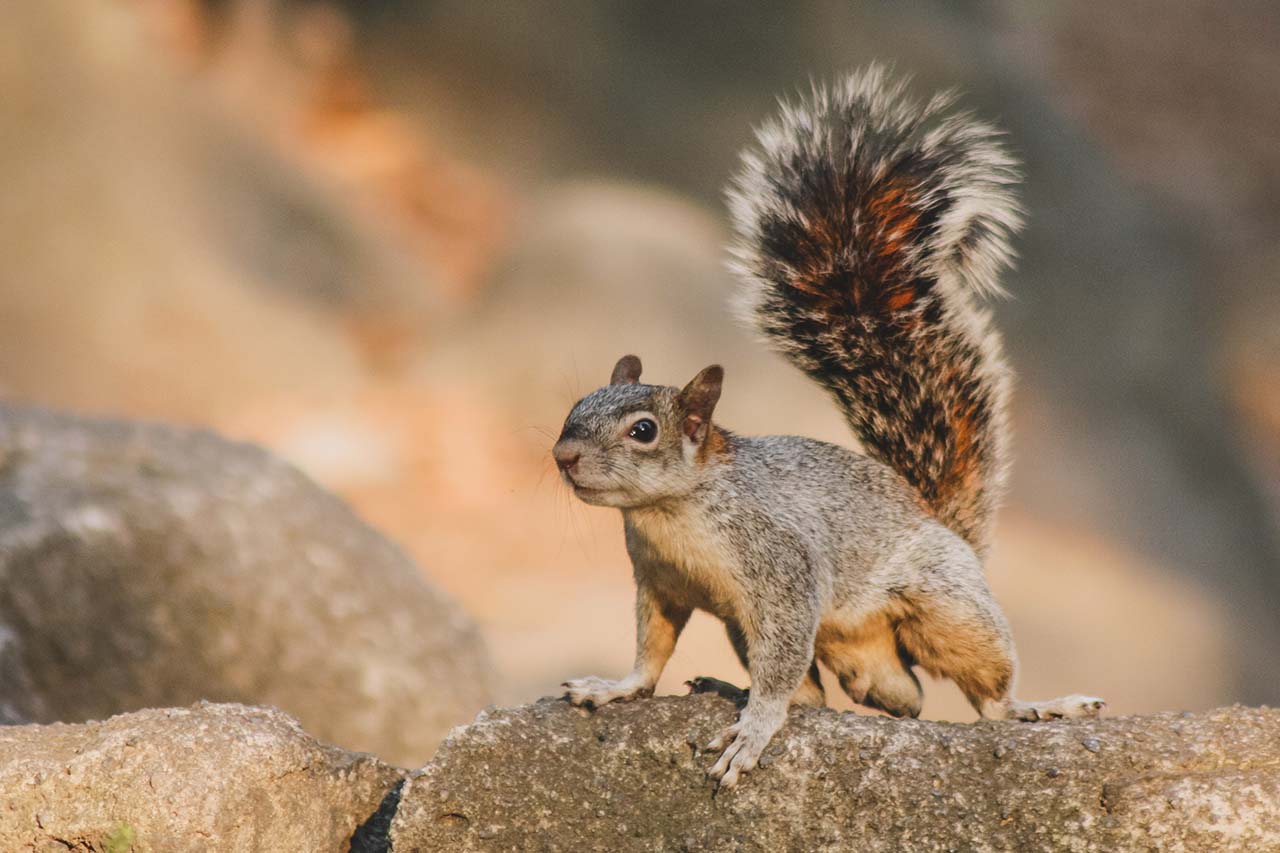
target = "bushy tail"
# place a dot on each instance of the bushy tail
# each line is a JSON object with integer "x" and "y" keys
{"x": 868, "y": 227}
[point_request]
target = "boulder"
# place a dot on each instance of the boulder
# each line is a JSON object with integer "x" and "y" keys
{"x": 208, "y": 777}
{"x": 150, "y": 566}
{"x": 630, "y": 777}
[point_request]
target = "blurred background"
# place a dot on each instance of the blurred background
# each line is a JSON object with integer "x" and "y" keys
{"x": 393, "y": 241}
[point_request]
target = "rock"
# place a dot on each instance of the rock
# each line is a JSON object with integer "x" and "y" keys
{"x": 149, "y": 566}
{"x": 550, "y": 777}
{"x": 208, "y": 777}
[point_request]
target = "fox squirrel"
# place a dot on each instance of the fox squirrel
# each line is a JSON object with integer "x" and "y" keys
{"x": 868, "y": 227}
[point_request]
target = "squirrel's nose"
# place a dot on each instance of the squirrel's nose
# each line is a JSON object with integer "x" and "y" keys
{"x": 566, "y": 457}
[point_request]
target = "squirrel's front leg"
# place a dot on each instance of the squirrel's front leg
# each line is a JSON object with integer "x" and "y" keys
{"x": 780, "y": 653}
{"x": 659, "y": 622}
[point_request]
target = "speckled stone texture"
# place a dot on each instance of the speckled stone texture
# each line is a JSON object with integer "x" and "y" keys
{"x": 627, "y": 777}
{"x": 204, "y": 778}
{"x": 149, "y": 566}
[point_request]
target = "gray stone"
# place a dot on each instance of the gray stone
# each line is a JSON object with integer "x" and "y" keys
{"x": 551, "y": 777}
{"x": 204, "y": 778}
{"x": 149, "y": 566}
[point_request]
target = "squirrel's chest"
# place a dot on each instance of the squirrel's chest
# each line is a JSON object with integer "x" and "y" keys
{"x": 690, "y": 558}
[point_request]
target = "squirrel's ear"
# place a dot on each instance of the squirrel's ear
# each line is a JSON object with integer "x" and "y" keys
{"x": 626, "y": 371}
{"x": 698, "y": 400}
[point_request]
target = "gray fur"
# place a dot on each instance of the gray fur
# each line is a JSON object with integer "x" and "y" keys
{"x": 807, "y": 551}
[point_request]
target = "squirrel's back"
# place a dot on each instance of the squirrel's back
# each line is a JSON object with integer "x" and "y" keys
{"x": 868, "y": 227}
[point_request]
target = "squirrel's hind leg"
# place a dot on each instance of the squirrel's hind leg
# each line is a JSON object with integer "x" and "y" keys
{"x": 872, "y": 667}
{"x": 958, "y": 632}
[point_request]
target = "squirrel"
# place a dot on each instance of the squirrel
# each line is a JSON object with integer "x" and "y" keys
{"x": 868, "y": 227}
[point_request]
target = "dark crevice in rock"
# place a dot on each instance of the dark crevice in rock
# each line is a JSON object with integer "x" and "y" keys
{"x": 374, "y": 835}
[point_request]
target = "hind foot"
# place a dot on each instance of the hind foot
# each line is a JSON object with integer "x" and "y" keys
{"x": 1068, "y": 707}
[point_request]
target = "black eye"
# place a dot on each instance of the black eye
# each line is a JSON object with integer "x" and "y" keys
{"x": 644, "y": 430}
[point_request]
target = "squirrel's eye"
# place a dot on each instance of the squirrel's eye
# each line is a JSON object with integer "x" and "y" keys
{"x": 644, "y": 431}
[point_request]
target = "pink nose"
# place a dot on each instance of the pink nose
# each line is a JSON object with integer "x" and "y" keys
{"x": 566, "y": 457}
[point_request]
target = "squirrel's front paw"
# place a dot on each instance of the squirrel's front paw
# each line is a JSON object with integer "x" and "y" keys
{"x": 593, "y": 692}
{"x": 743, "y": 744}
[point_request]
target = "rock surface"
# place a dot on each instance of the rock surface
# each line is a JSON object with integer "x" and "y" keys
{"x": 148, "y": 566}
{"x": 208, "y": 777}
{"x": 549, "y": 777}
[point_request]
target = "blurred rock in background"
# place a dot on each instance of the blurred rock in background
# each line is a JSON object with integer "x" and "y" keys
{"x": 143, "y": 566}
{"x": 395, "y": 240}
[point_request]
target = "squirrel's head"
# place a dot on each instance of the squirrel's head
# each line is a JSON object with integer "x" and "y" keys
{"x": 631, "y": 445}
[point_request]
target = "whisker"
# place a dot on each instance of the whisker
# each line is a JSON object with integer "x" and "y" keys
{"x": 546, "y": 468}
{"x": 540, "y": 430}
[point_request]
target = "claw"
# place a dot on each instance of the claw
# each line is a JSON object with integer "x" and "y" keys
{"x": 724, "y": 738}
{"x": 739, "y": 757}
{"x": 742, "y": 743}
{"x": 721, "y": 767}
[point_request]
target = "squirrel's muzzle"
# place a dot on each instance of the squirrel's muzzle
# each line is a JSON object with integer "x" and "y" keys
{"x": 567, "y": 454}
